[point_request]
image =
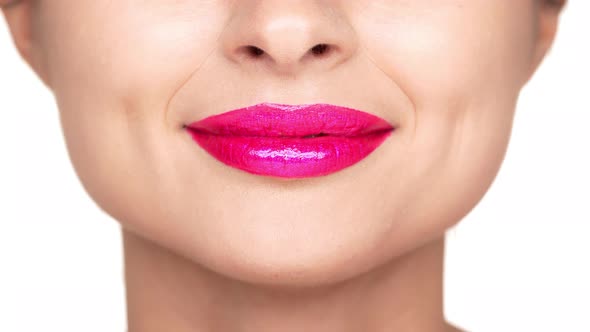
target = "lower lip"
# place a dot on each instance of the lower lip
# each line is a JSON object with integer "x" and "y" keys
{"x": 290, "y": 157}
{"x": 286, "y": 156}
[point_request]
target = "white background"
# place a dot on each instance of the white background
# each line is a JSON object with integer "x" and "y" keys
{"x": 520, "y": 261}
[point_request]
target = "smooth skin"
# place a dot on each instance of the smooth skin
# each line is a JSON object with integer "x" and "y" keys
{"x": 212, "y": 248}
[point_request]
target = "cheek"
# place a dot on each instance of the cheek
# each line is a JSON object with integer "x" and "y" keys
{"x": 459, "y": 51}
{"x": 130, "y": 51}
{"x": 114, "y": 67}
{"x": 462, "y": 68}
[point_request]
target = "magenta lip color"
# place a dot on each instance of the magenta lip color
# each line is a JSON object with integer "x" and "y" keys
{"x": 290, "y": 141}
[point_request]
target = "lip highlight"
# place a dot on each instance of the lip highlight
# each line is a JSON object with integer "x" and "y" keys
{"x": 290, "y": 141}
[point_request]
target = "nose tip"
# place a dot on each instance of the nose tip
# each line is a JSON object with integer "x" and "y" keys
{"x": 288, "y": 36}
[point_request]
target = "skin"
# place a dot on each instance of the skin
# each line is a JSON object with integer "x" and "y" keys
{"x": 212, "y": 248}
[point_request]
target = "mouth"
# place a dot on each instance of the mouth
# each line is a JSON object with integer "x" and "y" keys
{"x": 290, "y": 141}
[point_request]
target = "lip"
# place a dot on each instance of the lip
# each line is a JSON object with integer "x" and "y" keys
{"x": 290, "y": 141}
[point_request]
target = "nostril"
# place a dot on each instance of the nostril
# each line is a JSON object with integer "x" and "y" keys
{"x": 254, "y": 51}
{"x": 320, "y": 49}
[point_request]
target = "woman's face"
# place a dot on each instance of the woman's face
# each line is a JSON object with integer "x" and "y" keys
{"x": 129, "y": 74}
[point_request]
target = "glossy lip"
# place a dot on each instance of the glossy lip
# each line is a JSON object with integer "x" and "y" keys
{"x": 290, "y": 141}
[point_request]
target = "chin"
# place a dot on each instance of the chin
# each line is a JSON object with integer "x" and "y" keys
{"x": 281, "y": 253}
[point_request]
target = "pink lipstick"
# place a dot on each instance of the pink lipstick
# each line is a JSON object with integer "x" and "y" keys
{"x": 290, "y": 141}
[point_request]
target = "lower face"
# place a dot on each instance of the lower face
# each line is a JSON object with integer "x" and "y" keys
{"x": 129, "y": 75}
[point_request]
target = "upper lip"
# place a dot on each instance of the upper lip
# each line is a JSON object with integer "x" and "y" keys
{"x": 280, "y": 120}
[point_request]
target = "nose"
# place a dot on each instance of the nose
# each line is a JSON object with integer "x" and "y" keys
{"x": 288, "y": 36}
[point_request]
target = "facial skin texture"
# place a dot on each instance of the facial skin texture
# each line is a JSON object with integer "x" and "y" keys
{"x": 128, "y": 74}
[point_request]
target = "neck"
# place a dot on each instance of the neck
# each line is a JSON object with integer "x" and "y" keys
{"x": 166, "y": 292}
